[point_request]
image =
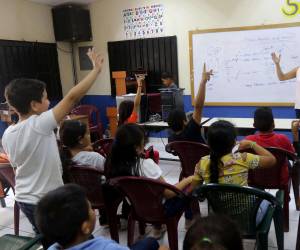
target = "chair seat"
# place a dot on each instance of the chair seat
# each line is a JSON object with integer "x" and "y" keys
{"x": 13, "y": 242}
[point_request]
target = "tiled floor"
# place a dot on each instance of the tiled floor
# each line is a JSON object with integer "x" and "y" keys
{"x": 171, "y": 171}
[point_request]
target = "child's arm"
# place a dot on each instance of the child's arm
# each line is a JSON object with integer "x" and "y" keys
{"x": 199, "y": 100}
{"x": 283, "y": 76}
{"x": 78, "y": 91}
{"x": 137, "y": 100}
{"x": 180, "y": 185}
{"x": 295, "y": 132}
{"x": 266, "y": 158}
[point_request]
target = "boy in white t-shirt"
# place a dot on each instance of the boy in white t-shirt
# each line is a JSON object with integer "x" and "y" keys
{"x": 31, "y": 144}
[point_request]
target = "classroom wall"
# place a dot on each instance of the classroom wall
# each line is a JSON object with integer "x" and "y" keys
{"x": 28, "y": 21}
{"x": 180, "y": 17}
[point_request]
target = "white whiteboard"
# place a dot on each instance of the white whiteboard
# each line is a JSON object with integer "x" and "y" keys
{"x": 244, "y": 72}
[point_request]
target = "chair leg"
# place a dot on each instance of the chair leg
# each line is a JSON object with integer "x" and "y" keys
{"x": 195, "y": 208}
{"x": 3, "y": 203}
{"x": 262, "y": 241}
{"x": 113, "y": 223}
{"x": 130, "y": 233}
{"x": 16, "y": 218}
{"x": 142, "y": 227}
{"x": 298, "y": 236}
{"x": 172, "y": 233}
{"x": 295, "y": 183}
{"x": 286, "y": 210}
{"x": 278, "y": 224}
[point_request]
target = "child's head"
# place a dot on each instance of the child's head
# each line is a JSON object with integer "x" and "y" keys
{"x": 221, "y": 139}
{"x": 27, "y": 96}
{"x": 215, "y": 232}
{"x": 177, "y": 120}
{"x": 263, "y": 119}
{"x": 167, "y": 79}
{"x": 65, "y": 216}
{"x": 126, "y": 150}
{"x": 74, "y": 134}
{"x": 125, "y": 110}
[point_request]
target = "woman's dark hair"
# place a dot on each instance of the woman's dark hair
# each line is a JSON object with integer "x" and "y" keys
{"x": 221, "y": 139}
{"x": 123, "y": 159}
{"x": 125, "y": 110}
{"x": 70, "y": 133}
{"x": 60, "y": 213}
{"x": 215, "y": 232}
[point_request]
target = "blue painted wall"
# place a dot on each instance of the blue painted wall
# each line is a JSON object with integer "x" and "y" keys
{"x": 103, "y": 101}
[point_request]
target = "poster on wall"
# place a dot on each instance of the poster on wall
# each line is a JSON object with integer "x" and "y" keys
{"x": 144, "y": 22}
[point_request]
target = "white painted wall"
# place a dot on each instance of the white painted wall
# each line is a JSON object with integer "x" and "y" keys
{"x": 28, "y": 21}
{"x": 25, "y": 20}
{"x": 180, "y": 17}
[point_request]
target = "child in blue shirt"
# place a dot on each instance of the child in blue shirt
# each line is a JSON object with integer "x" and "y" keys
{"x": 65, "y": 216}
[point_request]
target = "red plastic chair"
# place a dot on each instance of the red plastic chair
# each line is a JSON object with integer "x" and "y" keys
{"x": 92, "y": 179}
{"x": 7, "y": 172}
{"x": 95, "y": 125}
{"x": 189, "y": 154}
{"x": 146, "y": 199}
{"x": 103, "y": 146}
{"x": 270, "y": 178}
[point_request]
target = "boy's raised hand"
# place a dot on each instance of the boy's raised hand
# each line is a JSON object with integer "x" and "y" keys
{"x": 275, "y": 58}
{"x": 206, "y": 74}
{"x": 96, "y": 59}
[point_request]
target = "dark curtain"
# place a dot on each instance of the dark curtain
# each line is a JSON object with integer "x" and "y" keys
{"x": 30, "y": 60}
{"x": 156, "y": 55}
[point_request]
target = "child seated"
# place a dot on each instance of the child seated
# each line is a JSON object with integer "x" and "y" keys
{"x": 181, "y": 130}
{"x": 215, "y": 232}
{"x": 125, "y": 160}
{"x": 128, "y": 114}
{"x": 225, "y": 166}
{"x": 266, "y": 137}
{"x": 65, "y": 217}
{"x": 128, "y": 110}
{"x": 75, "y": 139}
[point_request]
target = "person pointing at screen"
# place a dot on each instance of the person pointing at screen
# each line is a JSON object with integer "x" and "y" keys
{"x": 294, "y": 73}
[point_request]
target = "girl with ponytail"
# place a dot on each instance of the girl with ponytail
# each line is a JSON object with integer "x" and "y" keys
{"x": 225, "y": 166}
{"x": 74, "y": 138}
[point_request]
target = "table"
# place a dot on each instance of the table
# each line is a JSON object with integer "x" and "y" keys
{"x": 245, "y": 125}
{"x": 161, "y": 125}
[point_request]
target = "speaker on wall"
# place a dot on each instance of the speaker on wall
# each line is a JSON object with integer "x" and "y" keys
{"x": 71, "y": 23}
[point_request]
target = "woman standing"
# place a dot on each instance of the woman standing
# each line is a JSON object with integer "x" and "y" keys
{"x": 294, "y": 73}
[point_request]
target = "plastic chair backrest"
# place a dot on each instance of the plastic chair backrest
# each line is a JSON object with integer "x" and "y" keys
{"x": 271, "y": 177}
{"x": 238, "y": 202}
{"x": 91, "y": 111}
{"x": 145, "y": 195}
{"x": 8, "y": 174}
{"x": 189, "y": 154}
{"x": 91, "y": 179}
{"x": 103, "y": 146}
